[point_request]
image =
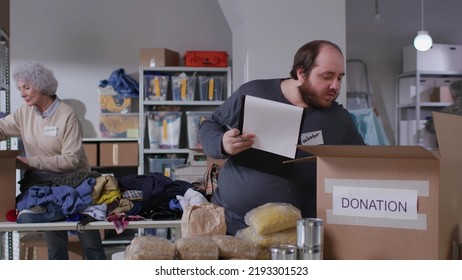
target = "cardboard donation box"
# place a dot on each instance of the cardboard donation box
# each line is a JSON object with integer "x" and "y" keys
{"x": 159, "y": 57}
{"x": 392, "y": 202}
{"x": 7, "y": 182}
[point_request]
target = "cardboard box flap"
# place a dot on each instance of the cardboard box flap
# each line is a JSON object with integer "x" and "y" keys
{"x": 449, "y": 134}
{"x": 358, "y": 151}
{"x": 9, "y": 153}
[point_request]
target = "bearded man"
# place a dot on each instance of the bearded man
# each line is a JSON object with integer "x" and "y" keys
{"x": 250, "y": 177}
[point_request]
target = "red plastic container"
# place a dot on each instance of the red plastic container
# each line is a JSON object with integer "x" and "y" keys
{"x": 206, "y": 59}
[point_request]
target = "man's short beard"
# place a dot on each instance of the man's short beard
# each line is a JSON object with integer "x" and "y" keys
{"x": 309, "y": 97}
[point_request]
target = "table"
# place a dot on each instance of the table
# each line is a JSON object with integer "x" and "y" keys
{"x": 10, "y": 227}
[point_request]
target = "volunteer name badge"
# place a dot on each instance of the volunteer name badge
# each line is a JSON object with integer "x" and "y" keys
{"x": 313, "y": 138}
{"x": 50, "y": 131}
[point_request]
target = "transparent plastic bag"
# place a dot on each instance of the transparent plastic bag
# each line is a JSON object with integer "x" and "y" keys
{"x": 236, "y": 248}
{"x": 150, "y": 247}
{"x": 285, "y": 237}
{"x": 273, "y": 217}
{"x": 197, "y": 248}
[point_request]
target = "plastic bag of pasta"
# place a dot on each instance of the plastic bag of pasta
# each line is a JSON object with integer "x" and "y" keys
{"x": 235, "y": 248}
{"x": 285, "y": 237}
{"x": 150, "y": 248}
{"x": 197, "y": 248}
{"x": 272, "y": 217}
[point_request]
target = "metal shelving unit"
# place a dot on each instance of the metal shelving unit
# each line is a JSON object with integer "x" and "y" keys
{"x": 413, "y": 104}
{"x": 195, "y": 105}
{"x": 4, "y": 78}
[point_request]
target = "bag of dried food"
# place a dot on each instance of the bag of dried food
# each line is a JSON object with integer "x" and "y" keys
{"x": 273, "y": 217}
{"x": 203, "y": 220}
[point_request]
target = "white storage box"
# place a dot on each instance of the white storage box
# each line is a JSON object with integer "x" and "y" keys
{"x": 445, "y": 81}
{"x": 440, "y": 57}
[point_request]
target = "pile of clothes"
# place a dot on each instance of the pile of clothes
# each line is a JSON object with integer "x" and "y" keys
{"x": 87, "y": 197}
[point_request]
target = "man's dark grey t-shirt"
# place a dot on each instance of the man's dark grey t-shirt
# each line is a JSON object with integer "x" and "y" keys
{"x": 254, "y": 177}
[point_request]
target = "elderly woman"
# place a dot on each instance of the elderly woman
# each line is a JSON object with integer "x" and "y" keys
{"x": 455, "y": 108}
{"x": 51, "y": 135}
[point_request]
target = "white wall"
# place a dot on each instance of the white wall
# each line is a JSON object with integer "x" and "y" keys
{"x": 267, "y": 33}
{"x": 84, "y": 41}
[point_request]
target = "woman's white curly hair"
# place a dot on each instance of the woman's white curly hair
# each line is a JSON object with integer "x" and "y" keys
{"x": 37, "y": 77}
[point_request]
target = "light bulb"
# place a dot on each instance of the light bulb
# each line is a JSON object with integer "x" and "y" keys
{"x": 423, "y": 41}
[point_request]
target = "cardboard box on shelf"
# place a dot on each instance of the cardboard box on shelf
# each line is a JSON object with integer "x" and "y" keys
{"x": 391, "y": 202}
{"x": 118, "y": 154}
{"x": 91, "y": 150}
{"x": 159, "y": 56}
{"x": 8, "y": 179}
{"x": 441, "y": 94}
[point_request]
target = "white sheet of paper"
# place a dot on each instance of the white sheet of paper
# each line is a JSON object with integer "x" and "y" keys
{"x": 275, "y": 124}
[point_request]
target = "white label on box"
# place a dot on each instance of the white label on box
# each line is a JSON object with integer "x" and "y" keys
{"x": 375, "y": 202}
{"x": 421, "y": 187}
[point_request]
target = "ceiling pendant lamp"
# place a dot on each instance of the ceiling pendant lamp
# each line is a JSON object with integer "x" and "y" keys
{"x": 423, "y": 41}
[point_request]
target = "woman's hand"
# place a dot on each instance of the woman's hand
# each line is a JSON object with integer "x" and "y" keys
{"x": 24, "y": 163}
{"x": 234, "y": 142}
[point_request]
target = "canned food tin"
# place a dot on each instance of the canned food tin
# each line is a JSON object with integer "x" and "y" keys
{"x": 310, "y": 253}
{"x": 283, "y": 252}
{"x": 309, "y": 232}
